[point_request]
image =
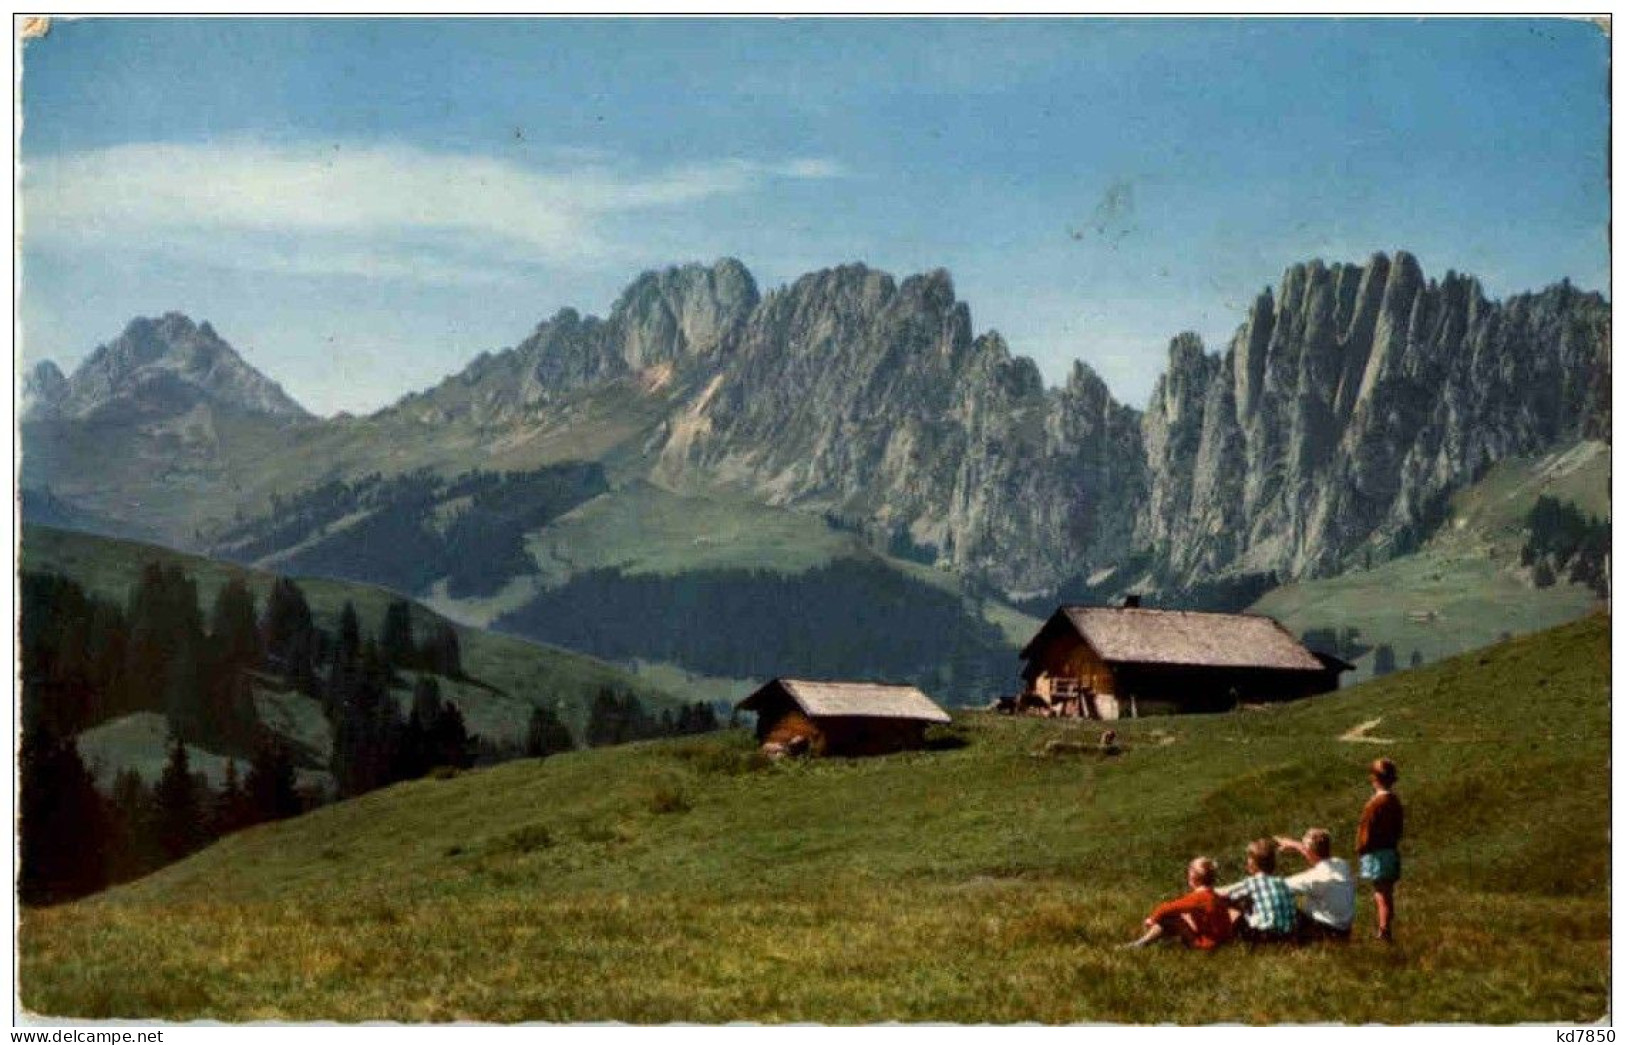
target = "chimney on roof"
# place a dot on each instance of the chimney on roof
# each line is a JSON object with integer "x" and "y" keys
{"x": 1131, "y": 602}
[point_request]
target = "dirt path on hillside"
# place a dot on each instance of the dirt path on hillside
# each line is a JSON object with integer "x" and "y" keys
{"x": 1361, "y": 734}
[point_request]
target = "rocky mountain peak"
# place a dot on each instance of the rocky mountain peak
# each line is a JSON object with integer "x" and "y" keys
{"x": 167, "y": 365}
{"x": 41, "y": 390}
{"x": 680, "y": 313}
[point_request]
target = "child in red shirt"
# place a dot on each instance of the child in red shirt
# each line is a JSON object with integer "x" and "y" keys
{"x": 1199, "y": 919}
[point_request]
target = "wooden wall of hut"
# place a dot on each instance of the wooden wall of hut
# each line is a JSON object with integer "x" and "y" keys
{"x": 784, "y": 722}
{"x": 1173, "y": 689}
{"x": 1069, "y": 657}
{"x": 870, "y": 736}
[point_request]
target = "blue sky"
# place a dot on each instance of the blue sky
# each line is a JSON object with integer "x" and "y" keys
{"x": 361, "y": 206}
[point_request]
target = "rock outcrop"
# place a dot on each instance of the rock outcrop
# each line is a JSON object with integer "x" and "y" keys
{"x": 876, "y": 403}
{"x": 676, "y": 317}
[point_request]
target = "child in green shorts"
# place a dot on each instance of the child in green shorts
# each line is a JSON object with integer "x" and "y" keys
{"x": 1377, "y": 844}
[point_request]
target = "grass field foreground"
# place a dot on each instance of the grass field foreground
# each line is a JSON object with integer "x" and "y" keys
{"x": 688, "y": 881}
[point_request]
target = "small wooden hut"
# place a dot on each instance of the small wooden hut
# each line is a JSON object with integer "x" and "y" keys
{"x": 1109, "y": 662}
{"x": 841, "y": 718}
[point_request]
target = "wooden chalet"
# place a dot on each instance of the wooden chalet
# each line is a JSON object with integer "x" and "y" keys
{"x": 841, "y": 718}
{"x": 1106, "y": 662}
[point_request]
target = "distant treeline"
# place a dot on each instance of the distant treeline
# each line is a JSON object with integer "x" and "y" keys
{"x": 417, "y": 527}
{"x": 1565, "y": 542}
{"x": 848, "y": 619}
{"x": 1345, "y": 643}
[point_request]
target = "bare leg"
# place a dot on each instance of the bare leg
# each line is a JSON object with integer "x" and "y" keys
{"x": 1181, "y": 928}
{"x": 1152, "y": 935}
{"x": 1383, "y": 893}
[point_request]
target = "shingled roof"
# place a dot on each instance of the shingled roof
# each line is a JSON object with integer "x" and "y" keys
{"x": 1216, "y": 640}
{"x": 854, "y": 700}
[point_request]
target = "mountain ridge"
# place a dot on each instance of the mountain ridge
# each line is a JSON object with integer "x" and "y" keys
{"x": 1348, "y": 406}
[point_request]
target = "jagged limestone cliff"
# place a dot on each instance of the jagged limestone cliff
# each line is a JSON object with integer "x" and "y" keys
{"x": 1346, "y": 409}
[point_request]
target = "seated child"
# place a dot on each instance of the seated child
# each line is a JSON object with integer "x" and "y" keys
{"x": 1271, "y": 912}
{"x": 1326, "y": 887}
{"x": 1199, "y": 919}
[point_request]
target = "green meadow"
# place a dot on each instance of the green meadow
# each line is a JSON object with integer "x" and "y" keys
{"x": 989, "y": 879}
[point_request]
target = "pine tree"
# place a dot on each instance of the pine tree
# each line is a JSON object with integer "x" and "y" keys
{"x": 1348, "y": 644}
{"x": 107, "y": 644}
{"x": 546, "y": 734}
{"x": 289, "y": 635}
{"x": 605, "y": 720}
{"x": 417, "y": 753}
{"x": 349, "y": 641}
{"x": 369, "y": 734}
{"x": 698, "y": 717}
{"x": 616, "y": 718}
{"x": 451, "y": 742}
{"x": 344, "y": 673}
{"x": 426, "y": 703}
{"x": 442, "y": 652}
{"x": 230, "y": 809}
{"x": 233, "y": 629}
{"x": 179, "y": 805}
{"x": 184, "y": 700}
{"x": 147, "y": 652}
{"x": 396, "y": 638}
{"x": 132, "y": 840}
{"x": 163, "y": 618}
{"x": 62, "y": 822}
{"x": 237, "y": 718}
{"x": 270, "y": 791}
{"x": 1321, "y": 640}
{"x": 234, "y": 650}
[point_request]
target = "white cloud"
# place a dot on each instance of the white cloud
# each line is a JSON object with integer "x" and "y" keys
{"x": 385, "y": 211}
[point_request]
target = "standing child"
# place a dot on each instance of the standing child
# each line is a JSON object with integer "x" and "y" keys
{"x": 1377, "y": 845}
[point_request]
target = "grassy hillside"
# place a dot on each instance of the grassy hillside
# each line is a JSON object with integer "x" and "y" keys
{"x": 559, "y": 556}
{"x": 683, "y": 880}
{"x": 516, "y": 675}
{"x": 1465, "y": 587}
{"x": 600, "y": 577}
{"x": 243, "y": 460}
{"x": 643, "y": 529}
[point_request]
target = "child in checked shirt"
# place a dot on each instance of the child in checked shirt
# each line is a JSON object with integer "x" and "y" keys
{"x": 1270, "y": 908}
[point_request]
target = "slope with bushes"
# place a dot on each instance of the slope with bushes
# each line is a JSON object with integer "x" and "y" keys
{"x": 513, "y": 675}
